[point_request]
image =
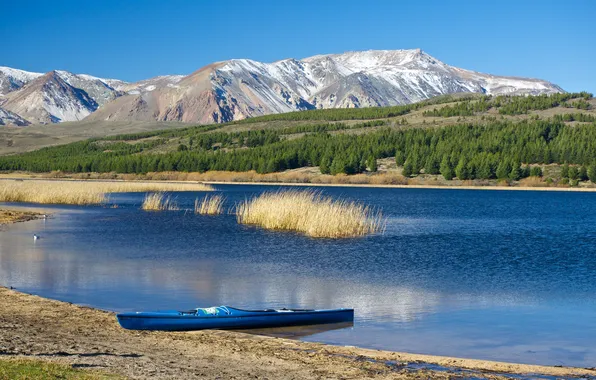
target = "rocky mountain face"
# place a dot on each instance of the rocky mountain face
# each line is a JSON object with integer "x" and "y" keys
{"x": 9, "y": 118}
{"x": 241, "y": 88}
{"x": 50, "y": 99}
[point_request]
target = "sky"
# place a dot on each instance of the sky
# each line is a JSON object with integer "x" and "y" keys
{"x": 133, "y": 39}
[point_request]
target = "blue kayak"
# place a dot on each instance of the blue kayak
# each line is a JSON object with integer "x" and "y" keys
{"x": 225, "y": 317}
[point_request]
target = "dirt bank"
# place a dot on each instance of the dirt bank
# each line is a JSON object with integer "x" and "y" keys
{"x": 39, "y": 328}
{"x": 14, "y": 216}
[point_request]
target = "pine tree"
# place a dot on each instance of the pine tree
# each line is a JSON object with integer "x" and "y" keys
{"x": 516, "y": 173}
{"x": 583, "y": 173}
{"x": 372, "y": 164}
{"x": 445, "y": 169}
{"x": 461, "y": 170}
{"x": 431, "y": 166}
{"x": 325, "y": 165}
{"x": 565, "y": 170}
{"x": 573, "y": 173}
{"x": 408, "y": 168}
{"x": 592, "y": 172}
{"x": 503, "y": 170}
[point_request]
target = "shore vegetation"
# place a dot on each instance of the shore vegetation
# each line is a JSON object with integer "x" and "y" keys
{"x": 159, "y": 202}
{"x": 310, "y": 213}
{"x": 82, "y": 192}
{"x": 209, "y": 205}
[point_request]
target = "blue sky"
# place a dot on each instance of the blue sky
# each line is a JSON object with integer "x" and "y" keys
{"x": 132, "y": 40}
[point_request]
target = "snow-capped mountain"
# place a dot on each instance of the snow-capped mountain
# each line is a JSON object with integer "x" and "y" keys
{"x": 241, "y": 88}
{"x": 97, "y": 88}
{"x": 49, "y": 99}
{"x": 13, "y": 79}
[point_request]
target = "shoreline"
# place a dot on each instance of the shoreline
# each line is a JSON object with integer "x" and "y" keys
{"x": 433, "y": 187}
{"x": 309, "y": 184}
{"x": 39, "y": 328}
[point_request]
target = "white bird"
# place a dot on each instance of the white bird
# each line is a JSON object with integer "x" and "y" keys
{"x": 35, "y": 237}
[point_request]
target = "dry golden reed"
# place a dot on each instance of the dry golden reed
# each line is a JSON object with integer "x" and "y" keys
{"x": 159, "y": 202}
{"x": 82, "y": 192}
{"x": 210, "y": 205}
{"x": 310, "y": 213}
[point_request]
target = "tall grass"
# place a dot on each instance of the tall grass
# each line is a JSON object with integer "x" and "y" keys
{"x": 310, "y": 213}
{"x": 210, "y": 205}
{"x": 82, "y": 192}
{"x": 158, "y": 202}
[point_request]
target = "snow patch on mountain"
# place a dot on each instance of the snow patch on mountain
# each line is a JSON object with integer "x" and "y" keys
{"x": 13, "y": 79}
{"x": 10, "y": 118}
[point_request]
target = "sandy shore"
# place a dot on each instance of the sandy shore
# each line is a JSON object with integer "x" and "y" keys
{"x": 452, "y": 187}
{"x": 38, "y": 328}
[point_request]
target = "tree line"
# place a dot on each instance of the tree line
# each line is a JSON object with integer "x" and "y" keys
{"x": 495, "y": 150}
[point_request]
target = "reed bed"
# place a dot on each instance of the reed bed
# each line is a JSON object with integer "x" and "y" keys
{"x": 210, "y": 205}
{"x": 159, "y": 202}
{"x": 310, "y": 213}
{"x": 82, "y": 192}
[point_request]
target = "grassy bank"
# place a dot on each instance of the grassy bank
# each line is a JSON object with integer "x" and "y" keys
{"x": 309, "y": 213}
{"x": 17, "y": 369}
{"x": 82, "y": 192}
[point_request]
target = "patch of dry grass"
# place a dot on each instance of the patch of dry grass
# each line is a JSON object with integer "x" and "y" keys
{"x": 310, "y": 213}
{"x": 12, "y": 216}
{"x": 532, "y": 182}
{"x": 210, "y": 205}
{"x": 159, "y": 202}
{"x": 82, "y": 192}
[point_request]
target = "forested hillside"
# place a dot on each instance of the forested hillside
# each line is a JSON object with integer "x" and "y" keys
{"x": 505, "y": 138}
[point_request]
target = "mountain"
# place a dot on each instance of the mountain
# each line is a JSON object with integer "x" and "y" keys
{"x": 49, "y": 99}
{"x": 241, "y": 88}
{"x": 13, "y": 79}
{"x": 53, "y": 97}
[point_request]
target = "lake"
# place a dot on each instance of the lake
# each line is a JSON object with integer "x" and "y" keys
{"x": 498, "y": 275}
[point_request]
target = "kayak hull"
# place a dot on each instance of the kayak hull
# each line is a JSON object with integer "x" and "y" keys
{"x": 235, "y": 319}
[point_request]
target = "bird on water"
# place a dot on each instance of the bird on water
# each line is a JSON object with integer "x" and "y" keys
{"x": 35, "y": 237}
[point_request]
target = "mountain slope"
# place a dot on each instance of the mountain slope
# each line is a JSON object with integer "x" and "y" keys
{"x": 97, "y": 88}
{"x": 10, "y": 118}
{"x": 241, "y": 88}
{"x": 50, "y": 99}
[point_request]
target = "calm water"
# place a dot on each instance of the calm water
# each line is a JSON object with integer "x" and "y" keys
{"x": 481, "y": 274}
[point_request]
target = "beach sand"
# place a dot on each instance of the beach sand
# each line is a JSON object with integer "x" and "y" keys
{"x": 38, "y": 328}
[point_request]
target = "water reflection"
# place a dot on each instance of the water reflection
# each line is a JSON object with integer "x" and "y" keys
{"x": 502, "y": 276}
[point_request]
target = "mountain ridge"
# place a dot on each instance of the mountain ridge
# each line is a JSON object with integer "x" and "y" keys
{"x": 236, "y": 89}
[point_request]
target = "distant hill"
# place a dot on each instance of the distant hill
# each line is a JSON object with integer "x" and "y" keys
{"x": 240, "y": 88}
{"x": 465, "y": 136}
